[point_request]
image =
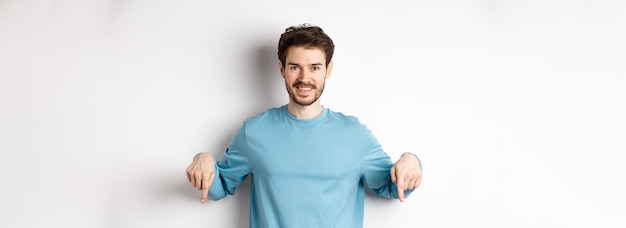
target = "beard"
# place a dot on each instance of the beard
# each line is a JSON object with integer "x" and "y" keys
{"x": 302, "y": 101}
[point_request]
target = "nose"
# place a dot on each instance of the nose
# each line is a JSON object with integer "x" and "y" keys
{"x": 305, "y": 76}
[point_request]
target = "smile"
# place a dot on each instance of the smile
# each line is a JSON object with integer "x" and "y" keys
{"x": 304, "y": 88}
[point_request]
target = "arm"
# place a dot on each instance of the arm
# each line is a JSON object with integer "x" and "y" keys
{"x": 384, "y": 177}
{"x": 406, "y": 173}
{"x": 218, "y": 179}
{"x": 388, "y": 179}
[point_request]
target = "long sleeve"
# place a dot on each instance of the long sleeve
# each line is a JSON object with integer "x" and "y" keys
{"x": 376, "y": 166}
{"x": 310, "y": 172}
{"x": 232, "y": 169}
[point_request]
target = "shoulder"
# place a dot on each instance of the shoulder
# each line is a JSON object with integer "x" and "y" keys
{"x": 345, "y": 120}
{"x": 349, "y": 125}
{"x": 266, "y": 117}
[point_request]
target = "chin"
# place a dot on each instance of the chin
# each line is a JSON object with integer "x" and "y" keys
{"x": 304, "y": 103}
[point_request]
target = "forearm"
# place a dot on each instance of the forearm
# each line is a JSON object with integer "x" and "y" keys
{"x": 217, "y": 190}
{"x": 390, "y": 190}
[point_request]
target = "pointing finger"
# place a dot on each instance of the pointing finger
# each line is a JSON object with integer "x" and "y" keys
{"x": 205, "y": 192}
{"x": 206, "y": 185}
{"x": 401, "y": 187}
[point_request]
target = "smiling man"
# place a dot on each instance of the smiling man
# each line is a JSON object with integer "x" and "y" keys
{"x": 309, "y": 165}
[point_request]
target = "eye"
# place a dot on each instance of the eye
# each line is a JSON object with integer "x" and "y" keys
{"x": 293, "y": 67}
{"x": 315, "y": 68}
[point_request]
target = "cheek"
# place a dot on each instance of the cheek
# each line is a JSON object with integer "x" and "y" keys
{"x": 290, "y": 79}
{"x": 321, "y": 76}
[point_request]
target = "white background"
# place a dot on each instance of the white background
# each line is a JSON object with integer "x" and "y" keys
{"x": 517, "y": 108}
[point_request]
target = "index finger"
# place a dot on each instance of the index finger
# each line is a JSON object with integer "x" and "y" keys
{"x": 400, "y": 185}
{"x": 206, "y": 185}
{"x": 205, "y": 193}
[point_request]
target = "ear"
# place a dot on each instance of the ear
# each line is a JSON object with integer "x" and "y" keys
{"x": 282, "y": 69}
{"x": 329, "y": 69}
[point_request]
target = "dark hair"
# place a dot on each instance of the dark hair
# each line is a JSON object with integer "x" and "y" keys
{"x": 307, "y": 36}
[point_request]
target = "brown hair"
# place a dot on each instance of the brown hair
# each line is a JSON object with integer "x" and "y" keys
{"x": 307, "y": 36}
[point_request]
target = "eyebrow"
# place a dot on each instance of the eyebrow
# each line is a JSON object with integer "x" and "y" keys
{"x": 314, "y": 64}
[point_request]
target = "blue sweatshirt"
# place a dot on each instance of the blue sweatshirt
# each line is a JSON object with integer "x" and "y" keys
{"x": 304, "y": 173}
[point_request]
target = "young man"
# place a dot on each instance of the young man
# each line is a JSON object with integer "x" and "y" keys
{"x": 308, "y": 165}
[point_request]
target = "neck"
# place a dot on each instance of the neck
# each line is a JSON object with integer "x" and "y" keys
{"x": 305, "y": 112}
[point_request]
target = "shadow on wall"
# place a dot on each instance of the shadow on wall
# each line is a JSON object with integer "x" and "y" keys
{"x": 264, "y": 83}
{"x": 264, "y": 76}
{"x": 241, "y": 200}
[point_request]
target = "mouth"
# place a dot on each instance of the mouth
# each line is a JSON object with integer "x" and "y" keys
{"x": 304, "y": 89}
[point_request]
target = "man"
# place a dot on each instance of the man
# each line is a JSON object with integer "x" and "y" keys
{"x": 308, "y": 165}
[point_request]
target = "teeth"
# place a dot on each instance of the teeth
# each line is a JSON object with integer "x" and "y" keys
{"x": 304, "y": 88}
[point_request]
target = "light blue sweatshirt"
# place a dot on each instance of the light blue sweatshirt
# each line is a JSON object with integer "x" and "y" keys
{"x": 304, "y": 173}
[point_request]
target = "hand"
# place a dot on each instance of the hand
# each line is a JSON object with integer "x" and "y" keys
{"x": 201, "y": 173}
{"x": 406, "y": 174}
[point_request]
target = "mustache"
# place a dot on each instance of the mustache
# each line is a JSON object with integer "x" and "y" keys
{"x": 298, "y": 84}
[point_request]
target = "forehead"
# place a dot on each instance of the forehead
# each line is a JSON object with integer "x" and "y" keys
{"x": 302, "y": 54}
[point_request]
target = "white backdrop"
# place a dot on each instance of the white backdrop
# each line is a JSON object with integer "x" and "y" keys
{"x": 517, "y": 108}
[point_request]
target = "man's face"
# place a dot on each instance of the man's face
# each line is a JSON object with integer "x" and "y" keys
{"x": 305, "y": 73}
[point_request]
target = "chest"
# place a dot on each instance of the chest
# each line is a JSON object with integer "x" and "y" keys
{"x": 305, "y": 155}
